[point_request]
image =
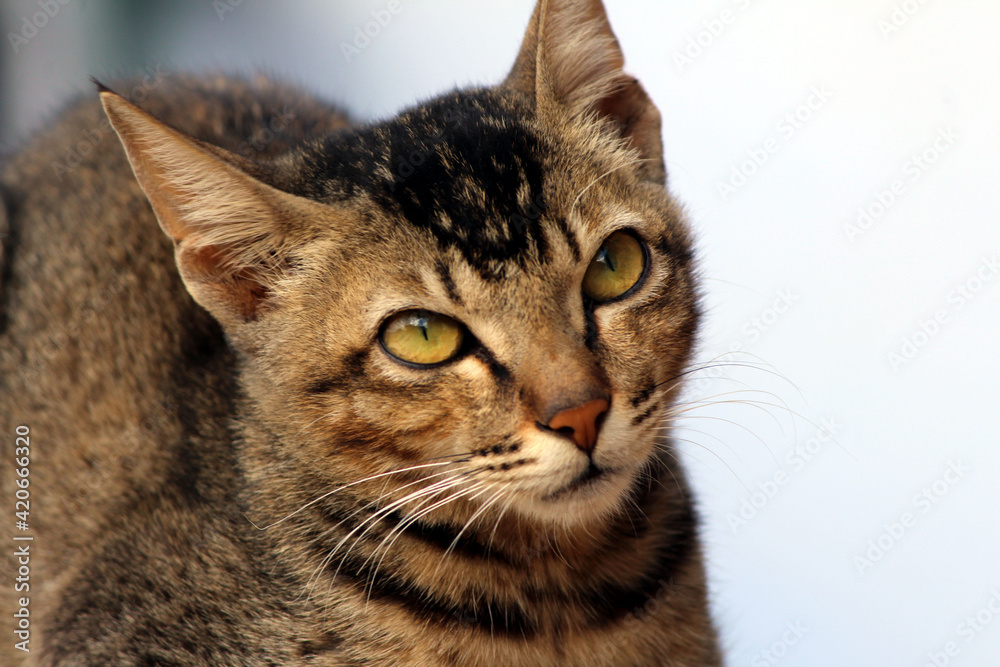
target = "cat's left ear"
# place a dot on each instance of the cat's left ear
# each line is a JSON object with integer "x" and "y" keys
{"x": 570, "y": 58}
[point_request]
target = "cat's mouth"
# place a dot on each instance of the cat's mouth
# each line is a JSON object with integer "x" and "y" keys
{"x": 589, "y": 482}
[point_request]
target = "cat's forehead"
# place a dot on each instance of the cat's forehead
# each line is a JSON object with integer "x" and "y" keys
{"x": 471, "y": 169}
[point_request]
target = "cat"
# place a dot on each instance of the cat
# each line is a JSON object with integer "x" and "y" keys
{"x": 394, "y": 393}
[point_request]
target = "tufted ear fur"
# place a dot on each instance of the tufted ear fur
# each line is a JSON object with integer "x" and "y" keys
{"x": 231, "y": 232}
{"x": 571, "y": 58}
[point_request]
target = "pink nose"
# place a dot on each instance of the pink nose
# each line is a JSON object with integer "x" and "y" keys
{"x": 581, "y": 423}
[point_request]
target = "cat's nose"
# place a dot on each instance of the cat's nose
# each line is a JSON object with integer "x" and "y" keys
{"x": 581, "y": 424}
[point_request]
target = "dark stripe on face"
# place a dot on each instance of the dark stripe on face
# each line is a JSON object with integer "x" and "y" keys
{"x": 643, "y": 395}
{"x": 363, "y": 440}
{"x": 638, "y": 419}
{"x": 446, "y": 537}
{"x": 444, "y": 273}
{"x": 325, "y": 385}
{"x": 570, "y": 236}
{"x": 499, "y": 372}
{"x": 352, "y": 367}
{"x": 328, "y": 642}
{"x": 590, "y": 336}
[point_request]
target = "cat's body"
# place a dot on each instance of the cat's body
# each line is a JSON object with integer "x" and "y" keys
{"x": 158, "y": 432}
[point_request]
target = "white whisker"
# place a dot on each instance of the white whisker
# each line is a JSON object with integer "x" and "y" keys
{"x": 347, "y": 486}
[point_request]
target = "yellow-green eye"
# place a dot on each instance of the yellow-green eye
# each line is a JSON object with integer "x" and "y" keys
{"x": 422, "y": 337}
{"x": 615, "y": 269}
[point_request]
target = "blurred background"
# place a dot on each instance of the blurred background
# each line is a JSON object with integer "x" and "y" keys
{"x": 840, "y": 165}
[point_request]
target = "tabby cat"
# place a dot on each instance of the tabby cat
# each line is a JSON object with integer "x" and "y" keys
{"x": 380, "y": 394}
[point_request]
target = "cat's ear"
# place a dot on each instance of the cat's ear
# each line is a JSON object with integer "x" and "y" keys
{"x": 230, "y": 230}
{"x": 570, "y": 57}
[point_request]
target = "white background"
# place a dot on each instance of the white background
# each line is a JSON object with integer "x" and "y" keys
{"x": 805, "y": 552}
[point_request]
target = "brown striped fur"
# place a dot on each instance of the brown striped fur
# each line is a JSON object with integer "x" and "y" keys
{"x": 228, "y": 468}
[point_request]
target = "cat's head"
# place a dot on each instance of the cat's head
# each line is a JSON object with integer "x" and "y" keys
{"x": 492, "y": 290}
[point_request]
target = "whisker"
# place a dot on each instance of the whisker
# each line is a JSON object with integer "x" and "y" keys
{"x": 780, "y": 404}
{"x": 397, "y": 531}
{"x": 496, "y": 525}
{"x": 587, "y": 187}
{"x": 675, "y": 413}
{"x": 479, "y": 488}
{"x": 672, "y": 427}
{"x": 376, "y": 517}
{"x": 347, "y": 486}
{"x": 761, "y": 405}
{"x": 438, "y": 487}
{"x": 472, "y": 519}
{"x": 663, "y": 446}
{"x": 361, "y": 509}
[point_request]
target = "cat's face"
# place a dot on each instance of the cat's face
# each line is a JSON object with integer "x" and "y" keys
{"x": 485, "y": 303}
{"x": 443, "y": 311}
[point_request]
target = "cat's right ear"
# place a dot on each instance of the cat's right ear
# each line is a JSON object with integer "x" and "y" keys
{"x": 570, "y": 60}
{"x": 231, "y": 231}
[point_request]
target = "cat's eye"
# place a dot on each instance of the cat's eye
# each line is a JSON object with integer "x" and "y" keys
{"x": 422, "y": 337}
{"x": 616, "y": 268}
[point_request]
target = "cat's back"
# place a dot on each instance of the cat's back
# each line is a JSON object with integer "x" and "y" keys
{"x": 102, "y": 351}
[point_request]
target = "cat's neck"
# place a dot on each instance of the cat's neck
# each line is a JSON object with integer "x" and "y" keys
{"x": 539, "y": 574}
